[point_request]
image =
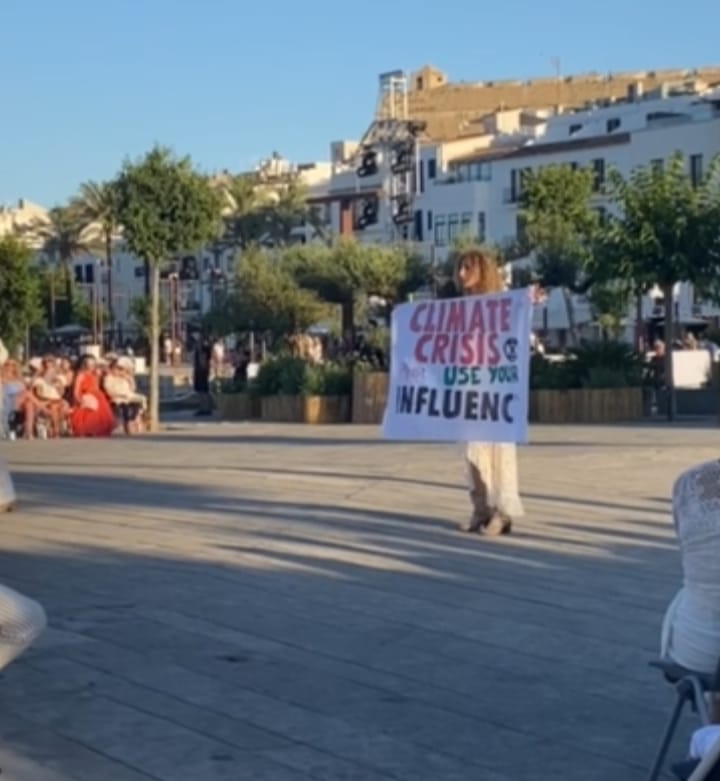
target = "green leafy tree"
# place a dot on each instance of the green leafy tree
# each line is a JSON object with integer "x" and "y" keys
{"x": 165, "y": 207}
{"x": 266, "y": 298}
{"x": 20, "y": 308}
{"x": 347, "y": 270}
{"x": 609, "y": 303}
{"x": 561, "y": 227}
{"x": 96, "y": 207}
{"x": 141, "y": 316}
{"x": 668, "y": 232}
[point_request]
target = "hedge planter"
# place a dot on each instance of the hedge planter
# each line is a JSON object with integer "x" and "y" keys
{"x": 305, "y": 409}
{"x": 236, "y": 406}
{"x": 586, "y": 405}
{"x": 370, "y": 391}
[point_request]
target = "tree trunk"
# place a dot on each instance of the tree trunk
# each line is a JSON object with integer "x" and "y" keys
{"x": 154, "y": 400}
{"x": 69, "y": 289}
{"x": 572, "y": 335}
{"x": 348, "y": 319}
{"x": 108, "y": 266}
{"x": 669, "y": 339}
{"x": 639, "y": 324}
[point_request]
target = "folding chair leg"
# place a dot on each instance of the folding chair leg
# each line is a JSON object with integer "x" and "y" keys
{"x": 668, "y": 736}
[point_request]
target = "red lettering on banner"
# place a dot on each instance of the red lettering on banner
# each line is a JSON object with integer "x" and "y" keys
{"x": 468, "y": 349}
{"x": 505, "y": 314}
{"x": 415, "y": 326}
{"x": 420, "y": 356}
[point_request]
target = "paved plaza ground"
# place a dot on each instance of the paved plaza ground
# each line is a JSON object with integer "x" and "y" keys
{"x": 284, "y": 603}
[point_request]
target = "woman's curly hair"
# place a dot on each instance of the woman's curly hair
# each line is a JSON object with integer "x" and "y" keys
{"x": 490, "y": 275}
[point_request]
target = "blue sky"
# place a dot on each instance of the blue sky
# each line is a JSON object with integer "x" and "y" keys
{"x": 229, "y": 81}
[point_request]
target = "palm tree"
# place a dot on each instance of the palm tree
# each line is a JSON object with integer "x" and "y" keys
{"x": 96, "y": 205}
{"x": 258, "y": 210}
{"x": 62, "y": 237}
{"x": 244, "y": 199}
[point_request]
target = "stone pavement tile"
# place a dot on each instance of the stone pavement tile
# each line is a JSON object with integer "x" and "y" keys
{"x": 406, "y": 718}
{"x": 17, "y": 768}
{"x": 160, "y": 748}
{"x": 307, "y": 584}
{"x": 47, "y": 751}
{"x": 62, "y": 680}
{"x": 409, "y": 764}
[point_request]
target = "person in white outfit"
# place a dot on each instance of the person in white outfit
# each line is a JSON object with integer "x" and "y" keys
{"x": 491, "y": 467}
{"x": 691, "y": 628}
{"x": 22, "y": 621}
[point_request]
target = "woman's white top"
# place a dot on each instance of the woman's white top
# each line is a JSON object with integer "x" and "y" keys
{"x": 691, "y": 630}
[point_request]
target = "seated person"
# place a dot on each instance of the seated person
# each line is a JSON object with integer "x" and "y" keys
{"x": 691, "y": 628}
{"x": 49, "y": 392}
{"x": 13, "y": 389}
{"x": 91, "y": 415}
{"x": 119, "y": 385}
{"x": 23, "y": 399}
{"x": 23, "y": 621}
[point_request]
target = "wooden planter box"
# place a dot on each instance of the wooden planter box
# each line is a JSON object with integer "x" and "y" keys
{"x": 586, "y": 405}
{"x": 305, "y": 409}
{"x": 236, "y": 406}
{"x": 369, "y": 397}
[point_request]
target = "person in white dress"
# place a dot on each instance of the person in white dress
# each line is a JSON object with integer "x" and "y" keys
{"x": 492, "y": 467}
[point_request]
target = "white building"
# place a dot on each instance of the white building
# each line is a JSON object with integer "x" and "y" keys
{"x": 472, "y": 186}
{"x": 193, "y": 281}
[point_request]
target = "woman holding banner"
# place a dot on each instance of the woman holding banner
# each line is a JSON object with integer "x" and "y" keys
{"x": 492, "y": 467}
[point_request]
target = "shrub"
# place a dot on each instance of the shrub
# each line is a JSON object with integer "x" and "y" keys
{"x": 591, "y": 365}
{"x": 290, "y": 376}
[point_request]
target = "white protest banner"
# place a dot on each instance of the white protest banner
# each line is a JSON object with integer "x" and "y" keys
{"x": 459, "y": 369}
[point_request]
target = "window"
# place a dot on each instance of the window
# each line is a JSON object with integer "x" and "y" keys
{"x": 657, "y": 166}
{"x": 598, "y": 174}
{"x": 481, "y": 227}
{"x": 418, "y": 228}
{"x": 466, "y": 223}
{"x": 612, "y": 124}
{"x": 453, "y": 226}
{"x": 573, "y": 166}
{"x": 432, "y": 168}
{"x": 696, "y": 170}
{"x": 422, "y": 176}
{"x": 514, "y": 185}
{"x": 429, "y": 220}
{"x": 517, "y": 179}
{"x": 440, "y": 231}
{"x": 90, "y": 273}
{"x": 602, "y": 215}
{"x": 481, "y": 172}
{"x": 575, "y": 129}
{"x": 521, "y": 229}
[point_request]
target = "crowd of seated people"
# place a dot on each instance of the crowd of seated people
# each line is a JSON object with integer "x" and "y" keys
{"x": 49, "y": 397}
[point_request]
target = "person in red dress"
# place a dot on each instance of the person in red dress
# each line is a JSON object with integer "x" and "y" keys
{"x": 92, "y": 415}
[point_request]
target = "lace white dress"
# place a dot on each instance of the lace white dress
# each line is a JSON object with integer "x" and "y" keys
{"x": 691, "y": 629}
{"x": 493, "y": 478}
